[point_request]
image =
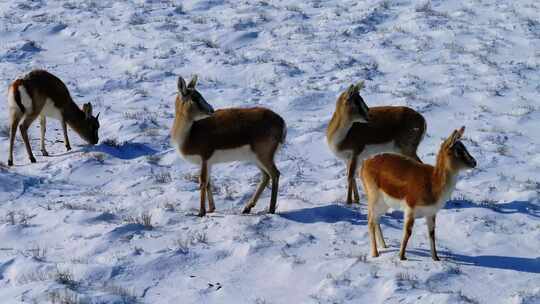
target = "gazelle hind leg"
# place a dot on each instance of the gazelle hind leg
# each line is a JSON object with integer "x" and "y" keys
{"x": 66, "y": 139}
{"x": 43, "y": 127}
{"x": 265, "y": 178}
{"x": 274, "y": 174}
{"x": 380, "y": 236}
{"x": 265, "y": 155}
{"x": 15, "y": 118}
{"x": 27, "y": 121}
{"x": 210, "y": 195}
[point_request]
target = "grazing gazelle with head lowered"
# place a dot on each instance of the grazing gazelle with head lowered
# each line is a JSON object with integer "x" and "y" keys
{"x": 205, "y": 137}
{"x": 420, "y": 190}
{"x": 39, "y": 93}
{"x": 357, "y": 132}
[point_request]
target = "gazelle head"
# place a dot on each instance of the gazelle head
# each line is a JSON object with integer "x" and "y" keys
{"x": 351, "y": 105}
{"x": 190, "y": 102}
{"x": 89, "y": 130}
{"x": 456, "y": 155}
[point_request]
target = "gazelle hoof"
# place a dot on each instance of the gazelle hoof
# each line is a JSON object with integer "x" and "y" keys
{"x": 375, "y": 254}
{"x": 32, "y": 159}
{"x": 201, "y": 214}
{"x": 68, "y": 148}
{"x": 403, "y": 258}
{"x": 246, "y": 210}
{"x": 436, "y": 258}
{"x": 10, "y": 163}
{"x": 45, "y": 153}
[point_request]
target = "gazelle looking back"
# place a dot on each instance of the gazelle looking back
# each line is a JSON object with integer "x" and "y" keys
{"x": 40, "y": 93}
{"x": 206, "y": 137}
{"x": 357, "y": 132}
{"x": 420, "y": 190}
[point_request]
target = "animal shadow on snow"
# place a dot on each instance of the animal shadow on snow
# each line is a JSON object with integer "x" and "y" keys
{"x": 521, "y": 264}
{"x": 325, "y": 214}
{"x": 127, "y": 150}
{"x": 522, "y": 207}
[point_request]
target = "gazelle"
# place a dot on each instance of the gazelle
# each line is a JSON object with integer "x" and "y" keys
{"x": 395, "y": 181}
{"x": 40, "y": 93}
{"x": 357, "y": 132}
{"x": 206, "y": 137}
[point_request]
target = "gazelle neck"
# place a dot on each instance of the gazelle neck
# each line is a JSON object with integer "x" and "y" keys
{"x": 74, "y": 117}
{"x": 444, "y": 179}
{"x": 181, "y": 127}
{"x": 337, "y": 130}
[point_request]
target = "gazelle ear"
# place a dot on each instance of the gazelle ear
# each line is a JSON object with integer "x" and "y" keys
{"x": 461, "y": 131}
{"x": 359, "y": 86}
{"x": 193, "y": 82}
{"x": 182, "y": 87}
{"x": 351, "y": 90}
{"x": 454, "y": 137}
{"x": 87, "y": 109}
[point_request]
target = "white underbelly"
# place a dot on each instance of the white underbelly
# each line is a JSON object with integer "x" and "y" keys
{"x": 371, "y": 150}
{"x": 419, "y": 211}
{"x": 393, "y": 203}
{"x": 49, "y": 110}
{"x": 243, "y": 153}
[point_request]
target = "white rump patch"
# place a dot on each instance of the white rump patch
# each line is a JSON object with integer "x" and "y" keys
{"x": 25, "y": 99}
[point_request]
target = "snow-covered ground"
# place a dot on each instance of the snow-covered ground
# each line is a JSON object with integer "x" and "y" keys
{"x": 73, "y": 224}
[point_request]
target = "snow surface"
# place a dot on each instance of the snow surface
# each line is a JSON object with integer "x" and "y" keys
{"x": 72, "y": 224}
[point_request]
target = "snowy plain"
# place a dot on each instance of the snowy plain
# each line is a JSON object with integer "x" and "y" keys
{"x": 115, "y": 223}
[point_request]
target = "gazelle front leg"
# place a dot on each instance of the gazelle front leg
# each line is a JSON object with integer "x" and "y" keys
{"x": 372, "y": 223}
{"x": 430, "y": 220}
{"x": 356, "y": 196}
{"x": 43, "y": 122}
{"x": 66, "y": 139}
{"x": 203, "y": 186}
{"x": 407, "y": 231}
{"x": 351, "y": 182}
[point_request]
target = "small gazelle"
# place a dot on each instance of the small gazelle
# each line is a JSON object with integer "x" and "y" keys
{"x": 40, "y": 93}
{"x": 420, "y": 190}
{"x": 357, "y": 132}
{"x": 206, "y": 137}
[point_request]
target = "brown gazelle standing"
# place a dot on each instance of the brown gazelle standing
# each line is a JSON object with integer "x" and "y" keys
{"x": 357, "y": 132}
{"x": 206, "y": 137}
{"x": 420, "y": 190}
{"x": 40, "y": 93}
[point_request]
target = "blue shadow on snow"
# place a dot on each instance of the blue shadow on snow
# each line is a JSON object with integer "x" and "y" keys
{"x": 325, "y": 214}
{"x": 522, "y": 207}
{"x": 126, "y": 150}
{"x": 521, "y": 264}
